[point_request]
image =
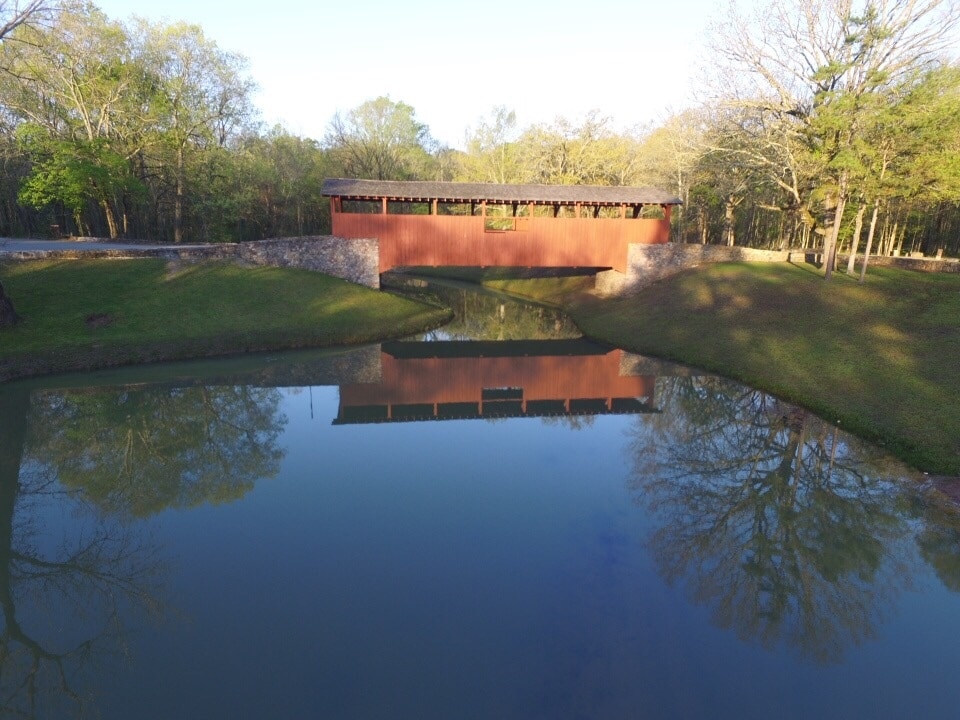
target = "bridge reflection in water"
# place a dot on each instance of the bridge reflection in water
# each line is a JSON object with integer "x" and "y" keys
{"x": 447, "y": 380}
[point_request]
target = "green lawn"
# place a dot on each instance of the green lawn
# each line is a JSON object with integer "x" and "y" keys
{"x": 79, "y": 314}
{"x": 882, "y": 358}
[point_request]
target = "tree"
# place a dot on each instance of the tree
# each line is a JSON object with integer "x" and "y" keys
{"x": 491, "y": 154}
{"x": 8, "y": 315}
{"x": 75, "y": 81}
{"x": 811, "y": 72}
{"x": 668, "y": 158}
{"x": 381, "y": 140}
{"x": 201, "y": 97}
{"x": 16, "y": 13}
{"x": 588, "y": 153}
{"x": 12, "y": 16}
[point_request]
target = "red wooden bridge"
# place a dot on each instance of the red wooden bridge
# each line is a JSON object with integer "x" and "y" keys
{"x": 435, "y": 224}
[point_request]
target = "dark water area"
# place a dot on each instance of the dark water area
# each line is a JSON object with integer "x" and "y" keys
{"x": 499, "y": 520}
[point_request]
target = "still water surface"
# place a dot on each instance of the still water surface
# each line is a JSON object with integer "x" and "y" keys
{"x": 521, "y": 525}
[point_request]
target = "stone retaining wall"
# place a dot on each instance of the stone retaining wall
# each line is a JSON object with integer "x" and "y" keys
{"x": 913, "y": 263}
{"x": 353, "y": 260}
{"x": 648, "y": 263}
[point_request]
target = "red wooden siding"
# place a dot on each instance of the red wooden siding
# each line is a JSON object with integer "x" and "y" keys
{"x": 458, "y": 240}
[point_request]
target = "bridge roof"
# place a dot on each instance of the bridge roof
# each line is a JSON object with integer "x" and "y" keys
{"x": 417, "y": 191}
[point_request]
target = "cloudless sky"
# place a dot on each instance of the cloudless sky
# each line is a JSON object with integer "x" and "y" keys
{"x": 454, "y": 61}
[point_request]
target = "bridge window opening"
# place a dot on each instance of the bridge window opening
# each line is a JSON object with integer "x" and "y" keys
{"x": 588, "y": 406}
{"x": 458, "y": 410}
{"x": 651, "y": 212}
{"x": 499, "y": 224}
{"x": 401, "y": 207}
{"x": 610, "y": 213}
{"x": 362, "y": 207}
{"x": 505, "y": 217}
{"x": 546, "y": 407}
{"x": 413, "y": 411}
{"x": 502, "y": 393}
{"x": 449, "y": 208}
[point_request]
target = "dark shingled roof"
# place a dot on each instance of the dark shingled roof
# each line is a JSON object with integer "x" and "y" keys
{"x": 477, "y": 192}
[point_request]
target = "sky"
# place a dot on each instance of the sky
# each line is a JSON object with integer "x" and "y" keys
{"x": 453, "y": 62}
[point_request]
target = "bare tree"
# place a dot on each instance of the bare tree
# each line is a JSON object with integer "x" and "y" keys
{"x": 16, "y": 13}
{"x": 810, "y": 72}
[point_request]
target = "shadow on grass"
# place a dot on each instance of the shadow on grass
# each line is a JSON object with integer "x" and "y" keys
{"x": 865, "y": 355}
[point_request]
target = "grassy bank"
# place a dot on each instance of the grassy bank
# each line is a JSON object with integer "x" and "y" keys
{"x": 882, "y": 358}
{"x": 82, "y": 314}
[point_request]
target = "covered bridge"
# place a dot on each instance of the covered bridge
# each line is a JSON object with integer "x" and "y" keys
{"x": 432, "y": 224}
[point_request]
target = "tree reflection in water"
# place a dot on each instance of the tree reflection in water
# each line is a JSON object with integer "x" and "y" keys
{"x": 789, "y": 531}
{"x": 75, "y": 469}
{"x": 140, "y": 451}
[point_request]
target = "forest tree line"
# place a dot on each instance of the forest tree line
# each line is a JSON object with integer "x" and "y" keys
{"x": 823, "y": 123}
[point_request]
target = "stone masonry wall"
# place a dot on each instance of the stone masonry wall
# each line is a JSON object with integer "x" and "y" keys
{"x": 353, "y": 260}
{"x": 648, "y": 263}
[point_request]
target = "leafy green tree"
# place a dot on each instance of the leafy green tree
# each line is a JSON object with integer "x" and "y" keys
{"x": 73, "y": 172}
{"x": 201, "y": 98}
{"x": 75, "y": 79}
{"x": 381, "y": 140}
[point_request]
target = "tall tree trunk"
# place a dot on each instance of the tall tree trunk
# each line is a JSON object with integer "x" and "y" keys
{"x": 8, "y": 316}
{"x": 112, "y": 227}
{"x": 728, "y": 222}
{"x": 178, "y": 200}
{"x": 873, "y": 227}
{"x": 855, "y": 240}
{"x": 830, "y": 248}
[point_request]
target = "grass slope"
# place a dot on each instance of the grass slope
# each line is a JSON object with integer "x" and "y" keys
{"x": 882, "y": 358}
{"x": 81, "y": 314}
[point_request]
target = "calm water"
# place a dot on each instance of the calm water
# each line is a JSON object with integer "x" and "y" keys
{"x": 525, "y": 525}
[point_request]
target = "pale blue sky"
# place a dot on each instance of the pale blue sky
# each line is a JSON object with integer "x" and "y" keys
{"x": 452, "y": 61}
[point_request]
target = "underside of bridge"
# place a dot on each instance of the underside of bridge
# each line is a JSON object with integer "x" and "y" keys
{"x": 440, "y": 224}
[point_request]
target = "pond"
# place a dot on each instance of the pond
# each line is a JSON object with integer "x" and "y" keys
{"x": 498, "y": 520}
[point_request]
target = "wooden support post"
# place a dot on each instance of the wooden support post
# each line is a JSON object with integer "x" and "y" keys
{"x": 383, "y": 208}
{"x": 623, "y": 211}
{"x": 433, "y": 207}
